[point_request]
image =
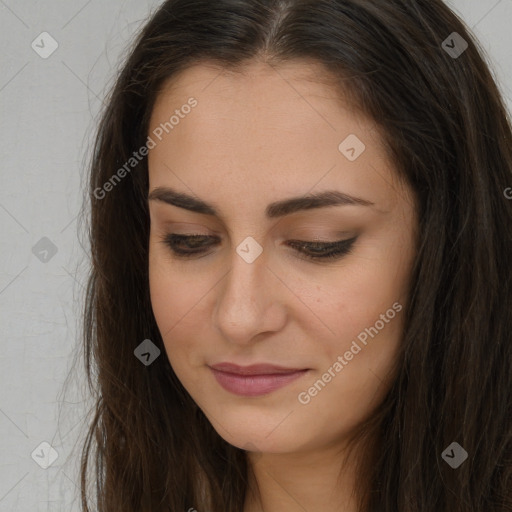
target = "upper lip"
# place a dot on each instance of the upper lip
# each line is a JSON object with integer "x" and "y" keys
{"x": 254, "y": 369}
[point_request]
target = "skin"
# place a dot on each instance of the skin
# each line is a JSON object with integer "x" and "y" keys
{"x": 265, "y": 135}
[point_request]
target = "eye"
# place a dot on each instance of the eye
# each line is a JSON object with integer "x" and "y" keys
{"x": 323, "y": 250}
{"x": 186, "y": 246}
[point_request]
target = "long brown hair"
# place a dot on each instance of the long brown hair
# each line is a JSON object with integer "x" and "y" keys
{"x": 449, "y": 135}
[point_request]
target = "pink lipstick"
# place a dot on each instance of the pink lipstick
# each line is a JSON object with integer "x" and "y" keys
{"x": 254, "y": 380}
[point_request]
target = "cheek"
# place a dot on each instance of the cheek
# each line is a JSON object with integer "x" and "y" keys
{"x": 173, "y": 291}
{"x": 352, "y": 297}
{"x": 355, "y": 366}
{"x": 182, "y": 304}
{"x": 362, "y": 307}
{"x": 173, "y": 300}
{"x": 173, "y": 308}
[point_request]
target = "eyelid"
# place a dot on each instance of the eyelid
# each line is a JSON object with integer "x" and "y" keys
{"x": 329, "y": 250}
{"x": 333, "y": 250}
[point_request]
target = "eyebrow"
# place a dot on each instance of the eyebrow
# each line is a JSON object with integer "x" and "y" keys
{"x": 273, "y": 210}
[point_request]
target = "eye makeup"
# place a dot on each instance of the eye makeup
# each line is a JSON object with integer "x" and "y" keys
{"x": 193, "y": 245}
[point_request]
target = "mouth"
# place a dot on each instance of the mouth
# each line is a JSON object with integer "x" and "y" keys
{"x": 254, "y": 380}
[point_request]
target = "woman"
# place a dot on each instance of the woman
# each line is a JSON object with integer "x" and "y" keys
{"x": 299, "y": 296}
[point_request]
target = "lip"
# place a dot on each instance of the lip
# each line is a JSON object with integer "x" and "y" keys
{"x": 254, "y": 380}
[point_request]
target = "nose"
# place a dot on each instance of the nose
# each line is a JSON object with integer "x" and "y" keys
{"x": 250, "y": 301}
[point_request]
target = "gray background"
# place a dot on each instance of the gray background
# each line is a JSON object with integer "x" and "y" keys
{"x": 49, "y": 108}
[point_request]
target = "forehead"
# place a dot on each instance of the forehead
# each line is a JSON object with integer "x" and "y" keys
{"x": 274, "y": 130}
{"x": 295, "y": 90}
{"x": 249, "y": 77}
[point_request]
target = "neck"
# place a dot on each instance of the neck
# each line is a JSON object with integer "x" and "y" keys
{"x": 315, "y": 480}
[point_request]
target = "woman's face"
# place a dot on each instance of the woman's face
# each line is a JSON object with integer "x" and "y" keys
{"x": 256, "y": 152}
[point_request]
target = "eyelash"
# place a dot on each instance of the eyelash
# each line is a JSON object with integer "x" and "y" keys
{"x": 329, "y": 251}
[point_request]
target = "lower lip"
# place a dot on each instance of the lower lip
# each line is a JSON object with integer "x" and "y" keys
{"x": 254, "y": 385}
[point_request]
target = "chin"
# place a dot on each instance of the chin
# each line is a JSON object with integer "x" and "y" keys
{"x": 259, "y": 432}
